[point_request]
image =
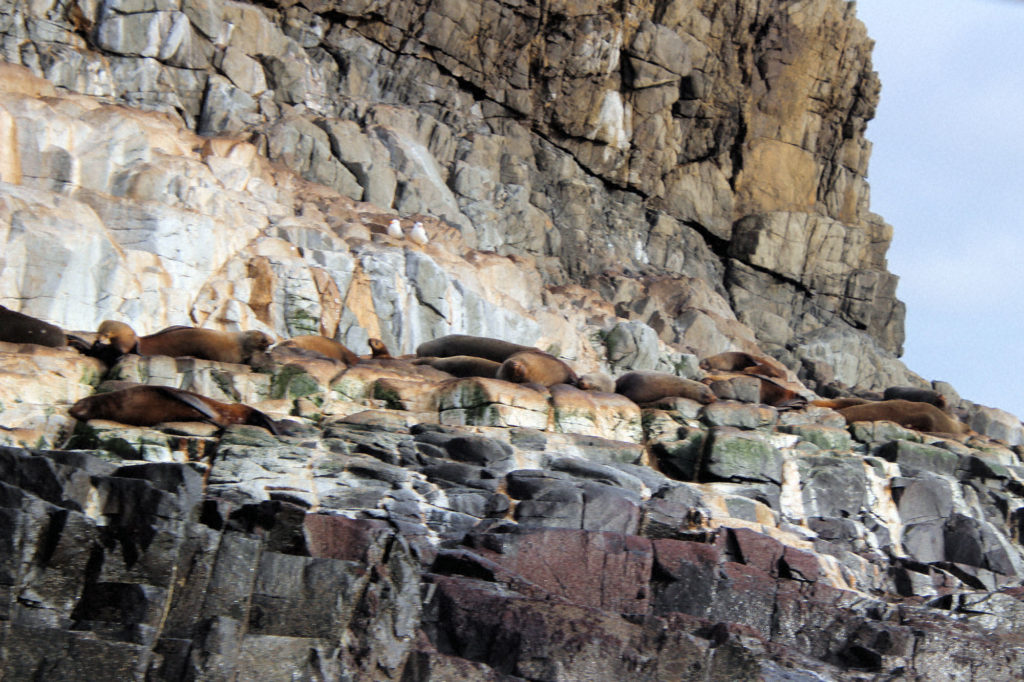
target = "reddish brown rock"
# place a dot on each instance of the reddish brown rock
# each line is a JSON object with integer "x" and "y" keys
{"x": 602, "y": 570}
{"x": 339, "y": 537}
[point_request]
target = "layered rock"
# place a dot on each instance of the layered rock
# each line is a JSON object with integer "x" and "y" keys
{"x": 374, "y": 541}
{"x": 713, "y": 146}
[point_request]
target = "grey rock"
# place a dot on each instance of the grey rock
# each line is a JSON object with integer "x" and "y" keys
{"x": 480, "y": 451}
{"x": 729, "y": 413}
{"x": 296, "y": 582}
{"x": 918, "y": 456}
{"x": 652, "y": 480}
{"x": 205, "y": 15}
{"x": 244, "y": 72}
{"x": 632, "y": 345}
{"x": 598, "y": 472}
{"x": 431, "y": 285}
{"x": 610, "y": 508}
{"x": 681, "y": 458}
{"x": 666, "y": 519}
{"x": 926, "y": 499}
{"x": 834, "y": 487}
{"x": 836, "y": 529}
{"x": 996, "y": 423}
{"x": 526, "y": 483}
{"x": 71, "y": 655}
{"x": 738, "y": 455}
{"x": 556, "y": 506}
{"x": 461, "y": 474}
{"x": 227, "y": 109}
{"x": 824, "y": 437}
{"x": 857, "y": 360}
{"x": 305, "y": 148}
{"x": 743, "y": 389}
{"x": 365, "y": 157}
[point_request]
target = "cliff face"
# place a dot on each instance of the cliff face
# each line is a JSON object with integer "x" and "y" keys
{"x": 617, "y": 145}
{"x": 626, "y": 185}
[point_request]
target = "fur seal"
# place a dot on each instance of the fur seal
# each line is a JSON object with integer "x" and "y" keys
{"x": 178, "y": 341}
{"x": 18, "y": 327}
{"x": 536, "y": 367}
{"x": 777, "y": 395}
{"x": 378, "y": 349}
{"x": 322, "y": 345}
{"x": 464, "y": 344}
{"x": 906, "y": 413}
{"x": 738, "y": 361}
{"x": 770, "y": 391}
{"x": 150, "y": 405}
{"x": 462, "y": 365}
{"x": 596, "y": 381}
{"x": 117, "y": 336}
{"x": 644, "y": 386}
{"x": 919, "y": 395}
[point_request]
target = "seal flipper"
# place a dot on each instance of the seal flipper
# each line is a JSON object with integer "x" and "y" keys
{"x": 257, "y": 418}
{"x": 78, "y": 343}
{"x": 193, "y": 401}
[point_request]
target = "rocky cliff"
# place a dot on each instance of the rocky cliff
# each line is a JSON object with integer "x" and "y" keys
{"x": 627, "y": 185}
{"x": 696, "y": 163}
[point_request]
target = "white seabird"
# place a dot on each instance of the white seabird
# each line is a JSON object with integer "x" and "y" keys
{"x": 418, "y": 234}
{"x": 395, "y": 229}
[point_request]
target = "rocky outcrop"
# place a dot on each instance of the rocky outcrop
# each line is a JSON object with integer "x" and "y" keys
{"x": 375, "y": 539}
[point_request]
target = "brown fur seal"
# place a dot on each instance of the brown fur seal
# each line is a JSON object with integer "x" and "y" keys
{"x": 738, "y": 361}
{"x": 378, "y": 349}
{"x": 596, "y": 381}
{"x": 118, "y": 336}
{"x": 122, "y": 337}
{"x": 150, "y": 405}
{"x": 464, "y": 344}
{"x": 322, "y": 345}
{"x": 462, "y": 365}
{"x": 779, "y": 396}
{"x": 919, "y": 395}
{"x": 536, "y": 367}
{"x": 906, "y": 413}
{"x": 646, "y": 387}
{"x": 770, "y": 391}
{"x": 206, "y": 344}
{"x": 18, "y": 327}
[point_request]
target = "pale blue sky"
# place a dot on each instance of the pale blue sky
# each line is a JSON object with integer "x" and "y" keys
{"x": 947, "y": 172}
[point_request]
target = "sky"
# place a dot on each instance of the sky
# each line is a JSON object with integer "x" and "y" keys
{"x": 947, "y": 172}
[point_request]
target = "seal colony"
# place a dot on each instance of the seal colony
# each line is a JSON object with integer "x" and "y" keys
{"x": 448, "y": 358}
{"x": 458, "y": 356}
